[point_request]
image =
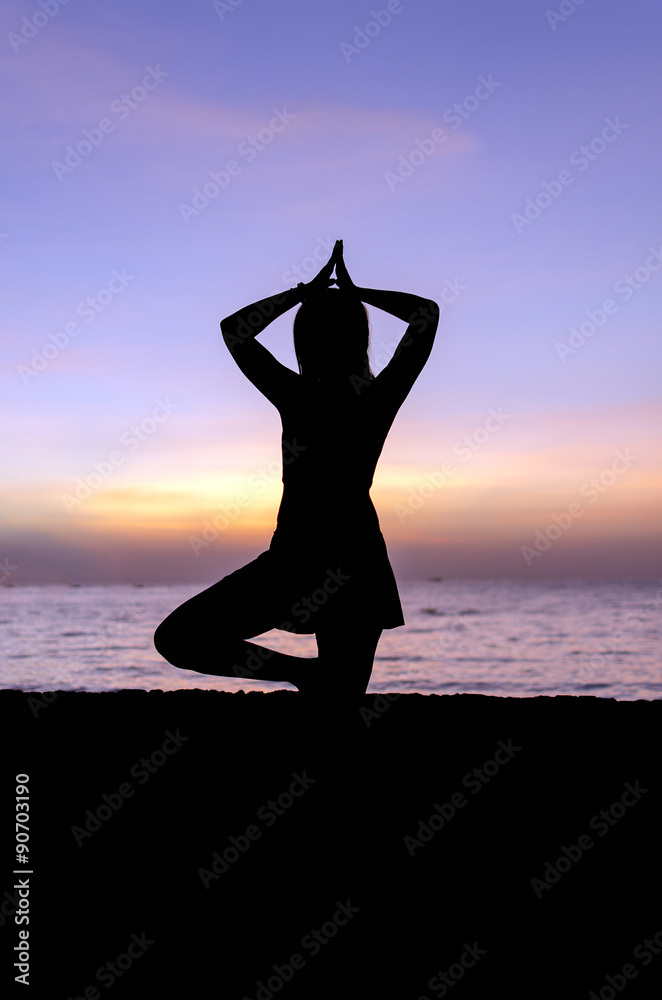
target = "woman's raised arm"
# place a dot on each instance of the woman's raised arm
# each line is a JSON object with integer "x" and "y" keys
{"x": 410, "y": 356}
{"x": 260, "y": 367}
{"x": 248, "y": 322}
{"x": 241, "y": 328}
{"x": 422, "y": 314}
{"x": 422, "y": 317}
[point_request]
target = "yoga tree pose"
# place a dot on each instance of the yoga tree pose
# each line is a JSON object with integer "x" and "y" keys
{"x": 326, "y": 570}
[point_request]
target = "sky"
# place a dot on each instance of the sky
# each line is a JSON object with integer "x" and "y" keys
{"x": 165, "y": 164}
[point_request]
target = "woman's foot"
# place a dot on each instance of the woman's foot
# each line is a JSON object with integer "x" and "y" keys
{"x": 307, "y": 678}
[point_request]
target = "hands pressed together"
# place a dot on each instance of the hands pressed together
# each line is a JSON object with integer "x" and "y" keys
{"x": 323, "y": 279}
{"x": 421, "y": 314}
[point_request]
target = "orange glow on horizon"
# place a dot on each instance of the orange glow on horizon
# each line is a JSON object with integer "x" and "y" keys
{"x": 474, "y": 502}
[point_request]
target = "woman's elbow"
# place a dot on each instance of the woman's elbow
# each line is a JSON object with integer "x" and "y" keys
{"x": 229, "y": 334}
{"x": 230, "y": 331}
{"x": 432, "y": 310}
{"x": 426, "y": 317}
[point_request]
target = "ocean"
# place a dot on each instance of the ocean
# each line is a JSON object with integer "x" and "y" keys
{"x": 502, "y": 638}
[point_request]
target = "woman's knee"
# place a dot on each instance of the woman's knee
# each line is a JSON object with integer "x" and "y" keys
{"x": 206, "y": 623}
{"x": 175, "y": 634}
{"x": 166, "y": 638}
{"x": 186, "y": 636}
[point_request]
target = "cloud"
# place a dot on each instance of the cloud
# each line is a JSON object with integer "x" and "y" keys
{"x": 62, "y": 87}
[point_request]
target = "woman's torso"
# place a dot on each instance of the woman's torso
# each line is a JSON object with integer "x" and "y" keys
{"x": 332, "y": 438}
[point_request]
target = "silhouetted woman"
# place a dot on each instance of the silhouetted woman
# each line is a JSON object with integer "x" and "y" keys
{"x": 326, "y": 570}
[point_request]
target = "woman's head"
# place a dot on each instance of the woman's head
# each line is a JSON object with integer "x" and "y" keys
{"x": 331, "y": 336}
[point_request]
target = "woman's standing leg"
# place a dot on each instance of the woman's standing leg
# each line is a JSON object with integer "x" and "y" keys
{"x": 346, "y": 654}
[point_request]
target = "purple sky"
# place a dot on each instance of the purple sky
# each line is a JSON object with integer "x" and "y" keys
{"x": 499, "y": 158}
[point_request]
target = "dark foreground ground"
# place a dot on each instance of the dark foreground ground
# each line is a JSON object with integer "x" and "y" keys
{"x": 201, "y": 844}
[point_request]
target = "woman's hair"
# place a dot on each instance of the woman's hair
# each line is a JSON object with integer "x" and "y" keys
{"x": 331, "y": 335}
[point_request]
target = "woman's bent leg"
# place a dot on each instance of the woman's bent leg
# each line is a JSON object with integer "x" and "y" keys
{"x": 222, "y": 656}
{"x": 208, "y": 633}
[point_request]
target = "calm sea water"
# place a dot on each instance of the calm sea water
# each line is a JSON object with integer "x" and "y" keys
{"x": 503, "y": 638}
